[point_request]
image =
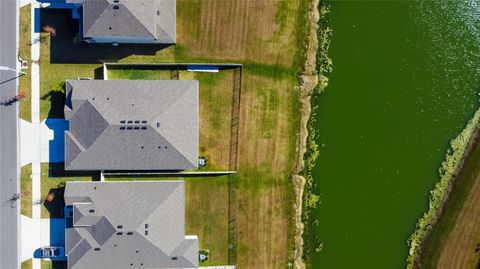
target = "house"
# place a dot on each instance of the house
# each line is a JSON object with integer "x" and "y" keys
{"x": 131, "y": 125}
{"x": 127, "y": 225}
{"x": 127, "y": 21}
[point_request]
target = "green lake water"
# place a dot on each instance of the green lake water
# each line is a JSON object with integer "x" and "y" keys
{"x": 405, "y": 81}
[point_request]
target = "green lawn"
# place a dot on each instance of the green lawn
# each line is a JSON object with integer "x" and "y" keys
{"x": 53, "y": 77}
{"x": 27, "y": 264}
{"x": 26, "y": 190}
{"x": 138, "y": 74}
{"x": 46, "y": 264}
{"x": 24, "y": 53}
{"x": 53, "y": 179}
{"x": 206, "y": 213}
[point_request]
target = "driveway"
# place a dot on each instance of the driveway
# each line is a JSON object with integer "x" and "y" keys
{"x": 48, "y": 138}
{"x": 37, "y": 233}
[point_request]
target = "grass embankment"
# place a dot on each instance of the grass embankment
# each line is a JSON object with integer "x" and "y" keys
{"x": 324, "y": 67}
{"x": 206, "y": 213}
{"x": 26, "y": 190}
{"x": 24, "y": 53}
{"x": 454, "y": 239}
{"x": 53, "y": 180}
{"x": 450, "y": 168}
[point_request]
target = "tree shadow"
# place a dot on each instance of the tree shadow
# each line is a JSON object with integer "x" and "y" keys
{"x": 55, "y": 202}
{"x": 66, "y": 47}
{"x": 56, "y": 95}
{"x": 56, "y": 205}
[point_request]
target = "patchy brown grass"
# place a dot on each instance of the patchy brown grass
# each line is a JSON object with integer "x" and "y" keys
{"x": 207, "y": 215}
{"x": 26, "y": 190}
{"x": 262, "y": 31}
{"x": 24, "y": 53}
{"x": 266, "y": 150}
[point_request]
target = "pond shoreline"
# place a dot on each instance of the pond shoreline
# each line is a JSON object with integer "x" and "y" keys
{"x": 308, "y": 82}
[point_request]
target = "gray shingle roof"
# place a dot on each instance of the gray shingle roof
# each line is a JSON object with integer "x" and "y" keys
{"x": 124, "y": 211}
{"x": 145, "y": 19}
{"x": 131, "y": 125}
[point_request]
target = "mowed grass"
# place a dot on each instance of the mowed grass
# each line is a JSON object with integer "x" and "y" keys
{"x": 26, "y": 190}
{"x": 454, "y": 240}
{"x": 27, "y": 264}
{"x": 53, "y": 178}
{"x": 24, "y": 53}
{"x": 135, "y": 74}
{"x": 53, "y": 77}
{"x": 206, "y": 213}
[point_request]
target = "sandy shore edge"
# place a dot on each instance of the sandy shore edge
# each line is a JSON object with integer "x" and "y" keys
{"x": 308, "y": 82}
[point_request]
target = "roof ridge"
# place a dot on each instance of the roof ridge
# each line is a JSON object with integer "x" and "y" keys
{"x": 154, "y": 35}
{"x": 159, "y": 204}
{"x": 126, "y": 4}
{"x": 75, "y": 140}
{"x": 167, "y": 108}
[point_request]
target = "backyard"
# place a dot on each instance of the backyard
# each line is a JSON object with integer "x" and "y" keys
{"x": 206, "y": 213}
{"x": 267, "y": 37}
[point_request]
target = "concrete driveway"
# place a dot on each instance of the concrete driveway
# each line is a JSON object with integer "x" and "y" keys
{"x": 37, "y": 233}
{"x": 43, "y": 142}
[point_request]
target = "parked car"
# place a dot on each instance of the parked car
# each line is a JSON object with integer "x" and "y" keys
{"x": 52, "y": 252}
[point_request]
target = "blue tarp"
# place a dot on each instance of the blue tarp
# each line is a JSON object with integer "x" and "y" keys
{"x": 202, "y": 68}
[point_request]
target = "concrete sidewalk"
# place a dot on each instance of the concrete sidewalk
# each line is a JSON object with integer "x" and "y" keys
{"x": 36, "y": 142}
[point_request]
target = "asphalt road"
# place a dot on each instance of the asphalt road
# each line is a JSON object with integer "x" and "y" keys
{"x": 9, "y": 183}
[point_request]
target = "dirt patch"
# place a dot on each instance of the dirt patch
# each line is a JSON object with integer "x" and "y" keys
{"x": 461, "y": 247}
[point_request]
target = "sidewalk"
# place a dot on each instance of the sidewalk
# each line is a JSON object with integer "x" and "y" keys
{"x": 36, "y": 158}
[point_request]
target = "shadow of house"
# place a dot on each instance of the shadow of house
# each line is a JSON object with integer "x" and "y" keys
{"x": 56, "y": 205}
{"x": 56, "y": 146}
{"x": 66, "y": 46}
